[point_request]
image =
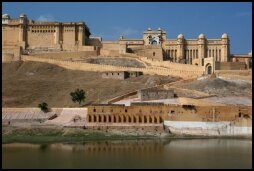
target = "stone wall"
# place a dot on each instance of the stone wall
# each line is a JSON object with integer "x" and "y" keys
{"x": 126, "y": 114}
{"x": 115, "y": 75}
{"x": 155, "y": 94}
{"x": 120, "y": 75}
{"x": 41, "y": 40}
{"x": 167, "y": 64}
{"x": 155, "y": 53}
{"x": 234, "y": 72}
{"x": 230, "y": 66}
{"x": 10, "y": 35}
{"x": 135, "y": 74}
{"x": 102, "y": 68}
{"x": 11, "y": 53}
{"x": 66, "y": 55}
{"x": 110, "y": 48}
{"x": 157, "y": 113}
{"x": 110, "y": 45}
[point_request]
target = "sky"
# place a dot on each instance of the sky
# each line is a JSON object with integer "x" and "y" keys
{"x": 110, "y": 20}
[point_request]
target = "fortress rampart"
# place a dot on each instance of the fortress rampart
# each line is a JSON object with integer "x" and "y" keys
{"x": 102, "y": 68}
{"x": 157, "y": 113}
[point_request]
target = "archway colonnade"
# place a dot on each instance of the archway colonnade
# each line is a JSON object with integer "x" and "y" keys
{"x": 102, "y": 118}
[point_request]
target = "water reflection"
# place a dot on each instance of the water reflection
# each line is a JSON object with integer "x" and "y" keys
{"x": 178, "y": 153}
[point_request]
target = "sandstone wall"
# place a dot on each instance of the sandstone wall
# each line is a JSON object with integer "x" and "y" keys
{"x": 11, "y": 54}
{"x": 66, "y": 55}
{"x": 115, "y": 75}
{"x": 155, "y": 53}
{"x": 110, "y": 48}
{"x": 41, "y": 39}
{"x": 156, "y": 113}
{"x": 110, "y": 45}
{"x": 167, "y": 64}
{"x": 230, "y": 66}
{"x": 234, "y": 72}
{"x": 10, "y": 35}
{"x": 102, "y": 68}
{"x": 155, "y": 94}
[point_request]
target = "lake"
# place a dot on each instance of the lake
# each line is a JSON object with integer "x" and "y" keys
{"x": 159, "y": 153}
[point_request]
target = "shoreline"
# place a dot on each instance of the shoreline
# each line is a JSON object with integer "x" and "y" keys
{"x": 39, "y": 135}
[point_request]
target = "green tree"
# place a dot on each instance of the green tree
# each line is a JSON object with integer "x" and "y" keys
{"x": 78, "y": 96}
{"x": 43, "y": 106}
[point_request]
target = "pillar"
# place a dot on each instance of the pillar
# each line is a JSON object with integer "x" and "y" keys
{"x": 57, "y": 34}
{"x": 107, "y": 118}
{"x": 180, "y": 48}
{"x": 201, "y": 50}
{"x": 81, "y": 35}
{"x": 225, "y": 52}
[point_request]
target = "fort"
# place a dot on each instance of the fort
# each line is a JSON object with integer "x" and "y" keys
{"x": 69, "y": 45}
{"x": 22, "y": 35}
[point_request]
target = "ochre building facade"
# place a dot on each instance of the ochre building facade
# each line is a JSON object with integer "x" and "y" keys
{"x": 180, "y": 50}
{"x": 156, "y": 113}
{"x": 22, "y": 35}
{"x": 30, "y": 34}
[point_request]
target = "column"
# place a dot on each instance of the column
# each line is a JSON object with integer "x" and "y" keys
{"x": 81, "y": 35}
{"x": 57, "y": 34}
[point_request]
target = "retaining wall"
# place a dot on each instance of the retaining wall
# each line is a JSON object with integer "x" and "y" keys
{"x": 101, "y": 68}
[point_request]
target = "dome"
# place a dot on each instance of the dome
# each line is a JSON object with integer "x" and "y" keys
{"x": 201, "y": 36}
{"x": 250, "y": 53}
{"x": 224, "y": 36}
{"x": 180, "y": 36}
{"x": 159, "y": 28}
{"x": 22, "y": 15}
{"x": 149, "y": 29}
{"x": 6, "y": 16}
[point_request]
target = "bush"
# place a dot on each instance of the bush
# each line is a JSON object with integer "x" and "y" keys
{"x": 78, "y": 96}
{"x": 44, "y": 107}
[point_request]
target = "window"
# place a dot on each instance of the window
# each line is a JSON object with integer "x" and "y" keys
{"x": 94, "y": 110}
{"x": 172, "y": 112}
{"x": 126, "y": 110}
{"x": 153, "y": 53}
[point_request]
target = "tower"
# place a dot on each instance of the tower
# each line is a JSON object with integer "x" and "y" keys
{"x": 180, "y": 47}
{"x": 201, "y": 49}
{"x": 225, "y": 52}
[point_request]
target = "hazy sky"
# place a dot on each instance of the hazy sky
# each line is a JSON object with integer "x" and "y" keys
{"x": 110, "y": 19}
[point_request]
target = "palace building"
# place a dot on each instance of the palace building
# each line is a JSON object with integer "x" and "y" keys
{"x": 30, "y": 34}
{"x": 180, "y": 50}
{"x": 22, "y": 34}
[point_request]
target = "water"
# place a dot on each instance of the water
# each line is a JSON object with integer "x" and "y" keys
{"x": 179, "y": 153}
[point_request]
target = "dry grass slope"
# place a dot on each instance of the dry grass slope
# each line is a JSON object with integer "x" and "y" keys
{"x": 26, "y": 84}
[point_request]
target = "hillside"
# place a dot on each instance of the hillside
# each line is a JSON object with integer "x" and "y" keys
{"x": 26, "y": 84}
{"x": 220, "y": 87}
